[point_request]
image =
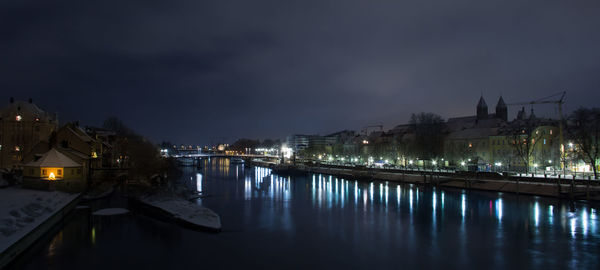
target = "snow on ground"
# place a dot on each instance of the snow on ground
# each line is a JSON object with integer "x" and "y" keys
{"x": 22, "y": 210}
{"x": 111, "y": 211}
{"x": 185, "y": 210}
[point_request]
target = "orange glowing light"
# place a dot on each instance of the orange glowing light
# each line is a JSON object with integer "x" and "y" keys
{"x": 51, "y": 176}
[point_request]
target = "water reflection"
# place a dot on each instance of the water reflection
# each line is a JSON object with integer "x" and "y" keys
{"x": 536, "y": 213}
{"x": 385, "y": 222}
{"x": 463, "y": 205}
{"x": 499, "y": 209}
{"x": 199, "y": 182}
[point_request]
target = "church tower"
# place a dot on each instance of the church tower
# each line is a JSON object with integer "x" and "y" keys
{"x": 482, "y": 109}
{"x": 501, "y": 110}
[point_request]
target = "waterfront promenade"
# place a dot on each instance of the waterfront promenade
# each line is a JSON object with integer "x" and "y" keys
{"x": 532, "y": 184}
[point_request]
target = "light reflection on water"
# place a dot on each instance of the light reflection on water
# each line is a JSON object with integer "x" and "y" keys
{"x": 409, "y": 214}
{"x": 333, "y": 192}
{"x": 347, "y": 224}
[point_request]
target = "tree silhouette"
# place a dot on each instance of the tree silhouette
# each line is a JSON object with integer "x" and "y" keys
{"x": 585, "y": 131}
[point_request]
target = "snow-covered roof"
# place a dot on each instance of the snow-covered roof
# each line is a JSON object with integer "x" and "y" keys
{"x": 53, "y": 158}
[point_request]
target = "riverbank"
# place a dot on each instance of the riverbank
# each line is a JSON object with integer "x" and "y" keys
{"x": 26, "y": 215}
{"x": 575, "y": 189}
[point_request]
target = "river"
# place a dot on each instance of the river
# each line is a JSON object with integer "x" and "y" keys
{"x": 320, "y": 221}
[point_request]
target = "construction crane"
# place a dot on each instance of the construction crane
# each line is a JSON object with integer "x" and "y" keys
{"x": 559, "y": 102}
{"x": 366, "y": 129}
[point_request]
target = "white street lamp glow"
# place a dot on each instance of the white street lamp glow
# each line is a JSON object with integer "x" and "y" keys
{"x": 287, "y": 152}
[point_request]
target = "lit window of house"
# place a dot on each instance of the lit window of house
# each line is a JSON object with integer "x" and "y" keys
{"x": 18, "y": 118}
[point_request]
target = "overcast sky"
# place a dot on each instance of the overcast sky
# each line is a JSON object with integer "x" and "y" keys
{"x": 196, "y": 72}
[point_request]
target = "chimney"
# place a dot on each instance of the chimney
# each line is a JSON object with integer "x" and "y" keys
{"x": 12, "y": 100}
{"x": 30, "y": 100}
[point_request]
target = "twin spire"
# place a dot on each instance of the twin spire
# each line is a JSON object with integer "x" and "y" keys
{"x": 501, "y": 109}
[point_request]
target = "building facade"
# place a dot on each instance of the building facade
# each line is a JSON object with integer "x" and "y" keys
{"x": 23, "y": 125}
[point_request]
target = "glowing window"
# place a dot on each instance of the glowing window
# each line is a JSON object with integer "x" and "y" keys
{"x": 43, "y": 172}
{"x": 59, "y": 172}
{"x": 18, "y": 118}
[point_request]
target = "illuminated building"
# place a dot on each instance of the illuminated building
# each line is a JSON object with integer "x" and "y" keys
{"x": 54, "y": 166}
{"x": 22, "y": 126}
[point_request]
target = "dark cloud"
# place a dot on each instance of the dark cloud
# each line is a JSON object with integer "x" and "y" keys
{"x": 196, "y": 71}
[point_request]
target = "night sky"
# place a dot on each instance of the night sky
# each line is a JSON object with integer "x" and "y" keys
{"x": 197, "y": 72}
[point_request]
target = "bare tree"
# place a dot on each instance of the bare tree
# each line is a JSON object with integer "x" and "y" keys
{"x": 429, "y": 134}
{"x": 524, "y": 137}
{"x": 585, "y": 131}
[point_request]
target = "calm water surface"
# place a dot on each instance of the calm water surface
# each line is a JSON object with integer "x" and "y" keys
{"x": 320, "y": 221}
